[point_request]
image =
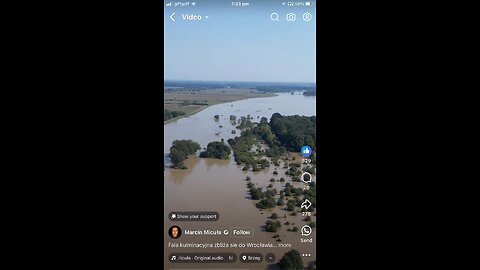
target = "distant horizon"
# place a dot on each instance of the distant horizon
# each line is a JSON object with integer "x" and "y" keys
{"x": 229, "y": 81}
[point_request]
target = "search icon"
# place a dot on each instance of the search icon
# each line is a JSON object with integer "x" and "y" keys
{"x": 274, "y": 16}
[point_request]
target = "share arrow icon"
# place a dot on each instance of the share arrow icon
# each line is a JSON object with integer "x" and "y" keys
{"x": 306, "y": 204}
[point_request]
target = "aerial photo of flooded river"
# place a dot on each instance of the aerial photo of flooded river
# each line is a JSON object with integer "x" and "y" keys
{"x": 239, "y": 88}
{"x": 220, "y": 185}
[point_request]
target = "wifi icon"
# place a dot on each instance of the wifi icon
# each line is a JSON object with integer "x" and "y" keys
{"x": 193, "y": 3}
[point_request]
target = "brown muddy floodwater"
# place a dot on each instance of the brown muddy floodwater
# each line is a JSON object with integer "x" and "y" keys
{"x": 219, "y": 185}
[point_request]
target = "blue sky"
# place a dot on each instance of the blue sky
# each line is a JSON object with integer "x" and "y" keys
{"x": 240, "y": 44}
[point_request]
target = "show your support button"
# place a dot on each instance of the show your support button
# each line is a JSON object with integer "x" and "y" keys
{"x": 193, "y": 216}
{"x": 203, "y": 258}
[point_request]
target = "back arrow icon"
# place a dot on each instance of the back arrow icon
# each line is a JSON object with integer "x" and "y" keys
{"x": 171, "y": 16}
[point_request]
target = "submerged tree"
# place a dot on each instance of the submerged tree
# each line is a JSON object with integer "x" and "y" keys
{"x": 291, "y": 260}
{"x": 180, "y": 150}
{"x": 272, "y": 226}
{"x": 217, "y": 150}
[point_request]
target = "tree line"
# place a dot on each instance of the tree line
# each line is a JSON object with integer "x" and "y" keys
{"x": 181, "y": 149}
{"x": 167, "y": 114}
{"x": 281, "y": 134}
{"x": 294, "y": 131}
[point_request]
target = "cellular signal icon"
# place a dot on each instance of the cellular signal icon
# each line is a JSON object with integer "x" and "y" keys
{"x": 169, "y": 4}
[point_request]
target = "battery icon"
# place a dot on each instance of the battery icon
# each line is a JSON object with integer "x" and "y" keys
{"x": 308, "y": 3}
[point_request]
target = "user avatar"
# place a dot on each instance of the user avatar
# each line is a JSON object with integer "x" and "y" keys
{"x": 175, "y": 232}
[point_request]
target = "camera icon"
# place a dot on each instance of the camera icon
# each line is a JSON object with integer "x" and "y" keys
{"x": 291, "y": 17}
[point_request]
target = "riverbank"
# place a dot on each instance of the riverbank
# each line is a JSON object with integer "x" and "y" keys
{"x": 187, "y": 114}
{"x": 191, "y": 102}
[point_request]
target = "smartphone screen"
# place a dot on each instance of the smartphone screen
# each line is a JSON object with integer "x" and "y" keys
{"x": 240, "y": 134}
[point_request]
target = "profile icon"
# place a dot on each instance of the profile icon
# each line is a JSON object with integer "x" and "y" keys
{"x": 175, "y": 232}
